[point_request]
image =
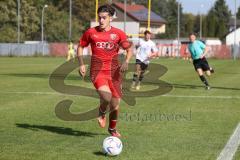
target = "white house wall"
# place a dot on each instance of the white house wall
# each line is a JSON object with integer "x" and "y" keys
{"x": 230, "y": 37}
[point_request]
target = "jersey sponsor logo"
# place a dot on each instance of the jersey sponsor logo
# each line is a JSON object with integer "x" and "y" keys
{"x": 105, "y": 45}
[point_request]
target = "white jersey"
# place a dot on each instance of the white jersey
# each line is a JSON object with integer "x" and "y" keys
{"x": 146, "y": 48}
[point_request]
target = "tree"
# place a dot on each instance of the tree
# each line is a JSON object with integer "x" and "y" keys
{"x": 172, "y": 18}
{"x": 159, "y": 7}
{"x": 219, "y": 17}
{"x": 8, "y": 34}
{"x": 204, "y": 26}
{"x": 188, "y": 24}
{"x": 197, "y": 25}
{"x": 56, "y": 19}
{"x": 211, "y": 24}
{"x": 30, "y": 20}
{"x": 8, "y": 23}
{"x": 57, "y": 25}
{"x": 238, "y": 13}
{"x": 83, "y": 10}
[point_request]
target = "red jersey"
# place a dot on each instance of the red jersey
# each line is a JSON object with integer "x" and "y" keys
{"x": 105, "y": 47}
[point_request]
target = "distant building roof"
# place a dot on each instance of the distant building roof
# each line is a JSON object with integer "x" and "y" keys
{"x": 232, "y": 22}
{"x": 139, "y": 13}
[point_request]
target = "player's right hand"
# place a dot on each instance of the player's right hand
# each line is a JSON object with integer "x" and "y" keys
{"x": 82, "y": 70}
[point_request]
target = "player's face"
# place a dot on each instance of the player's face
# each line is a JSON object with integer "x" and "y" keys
{"x": 147, "y": 37}
{"x": 104, "y": 20}
{"x": 192, "y": 38}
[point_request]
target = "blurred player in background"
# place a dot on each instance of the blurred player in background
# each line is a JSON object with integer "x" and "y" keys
{"x": 146, "y": 51}
{"x": 70, "y": 51}
{"x": 105, "y": 70}
{"x": 198, "y": 52}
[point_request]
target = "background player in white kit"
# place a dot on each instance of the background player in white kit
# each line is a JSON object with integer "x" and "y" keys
{"x": 147, "y": 50}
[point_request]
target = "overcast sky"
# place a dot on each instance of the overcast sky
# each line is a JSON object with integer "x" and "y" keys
{"x": 194, "y": 6}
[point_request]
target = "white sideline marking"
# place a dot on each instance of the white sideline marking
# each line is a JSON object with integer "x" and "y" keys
{"x": 166, "y": 95}
{"x": 46, "y": 93}
{"x": 189, "y": 96}
{"x": 231, "y": 146}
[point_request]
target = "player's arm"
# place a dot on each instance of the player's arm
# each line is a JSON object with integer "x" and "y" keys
{"x": 204, "y": 48}
{"x": 125, "y": 44}
{"x": 152, "y": 55}
{"x": 188, "y": 50}
{"x": 82, "y": 68}
{"x": 128, "y": 56}
{"x": 204, "y": 52}
{"x": 154, "y": 52}
{"x": 84, "y": 42}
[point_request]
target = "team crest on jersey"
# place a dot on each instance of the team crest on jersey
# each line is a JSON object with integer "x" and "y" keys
{"x": 95, "y": 36}
{"x": 113, "y": 36}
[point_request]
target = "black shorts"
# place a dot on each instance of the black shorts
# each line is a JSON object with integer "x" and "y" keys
{"x": 142, "y": 65}
{"x": 201, "y": 63}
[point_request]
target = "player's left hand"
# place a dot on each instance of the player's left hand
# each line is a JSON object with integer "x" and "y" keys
{"x": 124, "y": 66}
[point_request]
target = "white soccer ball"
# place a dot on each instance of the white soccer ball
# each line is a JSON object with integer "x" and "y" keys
{"x": 112, "y": 146}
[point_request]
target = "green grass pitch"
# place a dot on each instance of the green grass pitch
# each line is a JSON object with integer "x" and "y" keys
{"x": 202, "y": 124}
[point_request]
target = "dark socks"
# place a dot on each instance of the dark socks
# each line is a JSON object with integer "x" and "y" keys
{"x": 204, "y": 80}
{"x": 135, "y": 77}
{"x": 141, "y": 76}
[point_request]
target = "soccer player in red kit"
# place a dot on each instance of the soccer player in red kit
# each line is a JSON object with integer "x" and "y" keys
{"x": 105, "y": 70}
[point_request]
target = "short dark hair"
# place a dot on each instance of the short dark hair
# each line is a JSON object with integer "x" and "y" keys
{"x": 192, "y": 33}
{"x": 147, "y": 32}
{"x": 106, "y": 8}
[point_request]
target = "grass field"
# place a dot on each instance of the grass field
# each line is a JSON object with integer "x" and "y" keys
{"x": 196, "y": 123}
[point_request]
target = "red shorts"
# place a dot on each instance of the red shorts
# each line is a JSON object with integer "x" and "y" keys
{"x": 111, "y": 79}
